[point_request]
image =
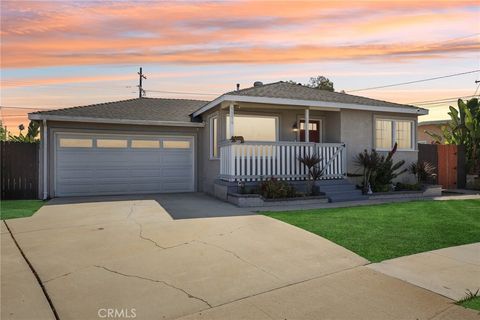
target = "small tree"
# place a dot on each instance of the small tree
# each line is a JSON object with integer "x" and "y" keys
{"x": 3, "y": 132}
{"x": 321, "y": 83}
{"x": 312, "y": 162}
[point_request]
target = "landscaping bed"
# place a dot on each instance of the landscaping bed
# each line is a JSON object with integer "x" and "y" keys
{"x": 257, "y": 200}
{"x": 387, "y": 231}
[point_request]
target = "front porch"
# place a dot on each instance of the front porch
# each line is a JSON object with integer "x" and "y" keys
{"x": 288, "y": 139}
{"x": 256, "y": 161}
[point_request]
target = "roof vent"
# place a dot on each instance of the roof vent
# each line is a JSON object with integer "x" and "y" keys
{"x": 258, "y": 84}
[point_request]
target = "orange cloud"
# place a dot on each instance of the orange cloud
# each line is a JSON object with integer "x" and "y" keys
{"x": 46, "y": 33}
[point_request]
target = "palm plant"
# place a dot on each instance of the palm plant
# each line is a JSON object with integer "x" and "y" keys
{"x": 312, "y": 162}
{"x": 423, "y": 170}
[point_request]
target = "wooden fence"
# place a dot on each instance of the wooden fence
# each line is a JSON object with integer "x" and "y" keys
{"x": 19, "y": 170}
{"x": 449, "y": 161}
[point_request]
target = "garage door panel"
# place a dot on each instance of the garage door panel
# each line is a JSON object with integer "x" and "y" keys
{"x": 97, "y": 171}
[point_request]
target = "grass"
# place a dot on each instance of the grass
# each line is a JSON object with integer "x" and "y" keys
{"x": 387, "y": 231}
{"x": 11, "y": 209}
{"x": 471, "y": 300}
{"x": 473, "y": 303}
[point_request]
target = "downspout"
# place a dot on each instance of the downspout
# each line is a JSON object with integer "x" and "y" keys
{"x": 45, "y": 156}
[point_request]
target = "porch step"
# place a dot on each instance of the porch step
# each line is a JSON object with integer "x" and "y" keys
{"x": 341, "y": 190}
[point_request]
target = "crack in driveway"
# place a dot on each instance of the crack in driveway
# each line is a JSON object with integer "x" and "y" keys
{"x": 238, "y": 257}
{"x": 189, "y": 295}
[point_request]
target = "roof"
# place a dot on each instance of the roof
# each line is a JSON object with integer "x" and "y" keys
{"x": 307, "y": 96}
{"x": 139, "y": 109}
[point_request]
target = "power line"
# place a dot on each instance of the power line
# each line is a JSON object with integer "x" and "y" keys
{"x": 440, "y": 100}
{"x": 415, "y": 81}
{"x": 183, "y": 92}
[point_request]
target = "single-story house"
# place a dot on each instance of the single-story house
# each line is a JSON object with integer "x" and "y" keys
{"x": 156, "y": 145}
{"x": 433, "y": 126}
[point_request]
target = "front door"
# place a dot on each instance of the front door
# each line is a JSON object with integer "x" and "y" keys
{"x": 314, "y": 131}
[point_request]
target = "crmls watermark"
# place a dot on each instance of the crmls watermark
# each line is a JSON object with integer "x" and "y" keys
{"x": 114, "y": 313}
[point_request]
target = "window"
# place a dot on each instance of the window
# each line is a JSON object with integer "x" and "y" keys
{"x": 111, "y": 143}
{"x": 383, "y": 134}
{"x": 176, "y": 144}
{"x": 214, "y": 137}
{"x": 404, "y": 134}
{"x": 146, "y": 144}
{"x": 254, "y": 128}
{"x": 76, "y": 143}
{"x": 387, "y": 132}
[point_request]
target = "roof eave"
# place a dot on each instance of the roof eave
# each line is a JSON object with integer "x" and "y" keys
{"x": 39, "y": 116}
{"x": 309, "y": 103}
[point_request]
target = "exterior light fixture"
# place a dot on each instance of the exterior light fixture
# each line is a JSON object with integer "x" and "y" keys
{"x": 295, "y": 127}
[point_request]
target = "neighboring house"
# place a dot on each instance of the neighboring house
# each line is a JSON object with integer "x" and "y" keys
{"x": 151, "y": 145}
{"x": 430, "y": 126}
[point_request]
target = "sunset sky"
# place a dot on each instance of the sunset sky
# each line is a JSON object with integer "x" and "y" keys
{"x": 67, "y": 53}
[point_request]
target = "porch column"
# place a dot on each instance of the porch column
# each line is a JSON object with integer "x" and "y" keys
{"x": 232, "y": 114}
{"x": 307, "y": 122}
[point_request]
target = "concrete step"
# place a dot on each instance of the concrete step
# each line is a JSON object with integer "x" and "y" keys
{"x": 341, "y": 190}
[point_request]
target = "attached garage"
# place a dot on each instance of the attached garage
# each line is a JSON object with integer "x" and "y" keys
{"x": 122, "y": 164}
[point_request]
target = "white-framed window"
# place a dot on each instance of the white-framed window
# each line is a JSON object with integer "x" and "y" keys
{"x": 254, "y": 127}
{"x": 213, "y": 124}
{"x": 389, "y": 131}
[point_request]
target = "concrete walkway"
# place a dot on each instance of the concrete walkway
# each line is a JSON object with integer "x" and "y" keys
{"x": 125, "y": 254}
{"x": 21, "y": 294}
{"x": 449, "y": 272}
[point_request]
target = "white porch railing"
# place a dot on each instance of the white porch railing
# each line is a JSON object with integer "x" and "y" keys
{"x": 253, "y": 161}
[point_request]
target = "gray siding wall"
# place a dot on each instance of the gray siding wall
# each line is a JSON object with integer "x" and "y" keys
{"x": 96, "y": 128}
{"x": 357, "y": 132}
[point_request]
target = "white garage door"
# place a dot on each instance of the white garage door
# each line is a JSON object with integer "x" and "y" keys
{"x": 121, "y": 164}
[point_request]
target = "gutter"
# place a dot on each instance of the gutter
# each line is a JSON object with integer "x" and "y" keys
{"x": 44, "y": 117}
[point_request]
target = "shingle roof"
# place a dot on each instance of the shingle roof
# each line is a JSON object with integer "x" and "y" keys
{"x": 288, "y": 90}
{"x": 154, "y": 109}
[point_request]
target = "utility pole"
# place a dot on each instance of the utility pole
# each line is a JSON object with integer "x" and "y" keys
{"x": 141, "y": 76}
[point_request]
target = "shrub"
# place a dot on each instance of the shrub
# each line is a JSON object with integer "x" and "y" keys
{"x": 379, "y": 170}
{"x": 273, "y": 188}
{"x": 408, "y": 187}
{"x": 423, "y": 170}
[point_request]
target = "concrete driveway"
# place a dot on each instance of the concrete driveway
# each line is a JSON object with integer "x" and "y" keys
{"x": 130, "y": 255}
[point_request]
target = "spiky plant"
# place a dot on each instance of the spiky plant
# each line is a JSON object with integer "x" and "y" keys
{"x": 312, "y": 162}
{"x": 423, "y": 170}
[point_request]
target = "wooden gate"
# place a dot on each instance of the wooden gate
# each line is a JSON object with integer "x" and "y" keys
{"x": 19, "y": 170}
{"x": 449, "y": 161}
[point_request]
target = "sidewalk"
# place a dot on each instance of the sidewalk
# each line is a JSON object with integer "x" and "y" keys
{"x": 449, "y": 272}
{"x": 25, "y": 298}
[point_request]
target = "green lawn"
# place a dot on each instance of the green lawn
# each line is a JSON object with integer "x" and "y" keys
{"x": 471, "y": 303}
{"x": 11, "y": 209}
{"x": 386, "y": 231}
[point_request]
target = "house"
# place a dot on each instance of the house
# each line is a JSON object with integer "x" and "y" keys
{"x": 433, "y": 126}
{"x": 153, "y": 145}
